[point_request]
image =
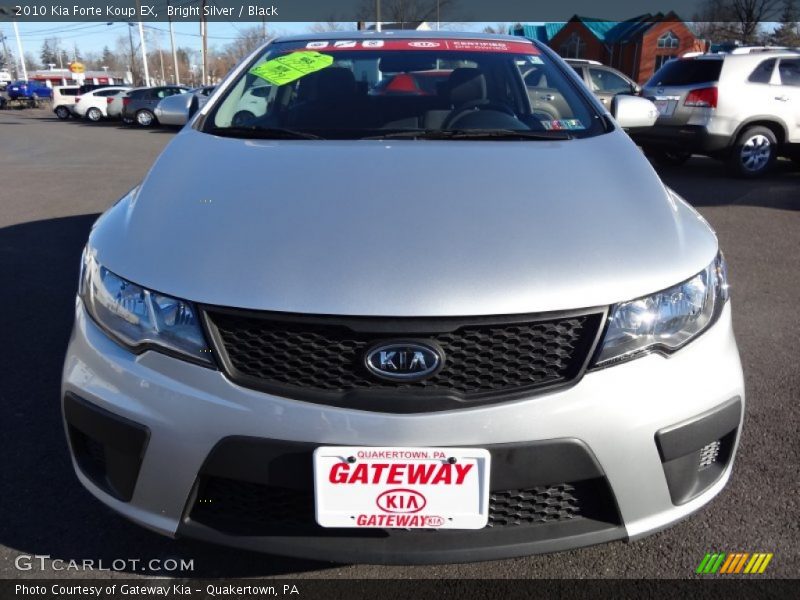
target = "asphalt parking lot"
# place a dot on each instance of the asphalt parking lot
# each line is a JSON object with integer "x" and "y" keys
{"x": 55, "y": 177}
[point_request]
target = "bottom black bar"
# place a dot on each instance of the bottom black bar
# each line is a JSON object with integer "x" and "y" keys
{"x": 390, "y": 589}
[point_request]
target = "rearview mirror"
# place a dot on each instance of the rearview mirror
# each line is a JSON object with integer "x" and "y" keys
{"x": 633, "y": 111}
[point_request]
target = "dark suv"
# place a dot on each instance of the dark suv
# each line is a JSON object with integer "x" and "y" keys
{"x": 139, "y": 105}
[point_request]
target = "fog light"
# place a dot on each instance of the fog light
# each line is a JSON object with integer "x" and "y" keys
{"x": 708, "y": 455}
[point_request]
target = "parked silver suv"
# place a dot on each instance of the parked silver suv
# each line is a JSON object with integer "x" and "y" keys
{"x": 742, "y": 108}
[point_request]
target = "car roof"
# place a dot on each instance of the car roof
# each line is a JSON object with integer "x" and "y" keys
{"x": 106, "y": 88}
{"x": 752, "y": 56}
{"x": 401, "y": 34}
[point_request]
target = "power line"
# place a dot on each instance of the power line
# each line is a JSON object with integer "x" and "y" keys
{"x": 63, "y": 29}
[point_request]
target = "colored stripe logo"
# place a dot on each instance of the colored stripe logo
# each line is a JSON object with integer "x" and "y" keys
{"x": 734, "y": 563}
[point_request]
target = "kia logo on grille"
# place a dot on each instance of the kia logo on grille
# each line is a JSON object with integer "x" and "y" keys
{"x": 404, "y": 361}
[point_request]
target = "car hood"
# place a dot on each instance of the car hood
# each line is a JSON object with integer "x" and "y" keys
{"x": 403, "y": 228}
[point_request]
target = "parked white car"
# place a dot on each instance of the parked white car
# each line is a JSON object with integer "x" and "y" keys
{"x": 114, "y": 107}
{"x": 64, "y": 98}
{"x": 94, "y": 105}
{"x": 5, "y": 79}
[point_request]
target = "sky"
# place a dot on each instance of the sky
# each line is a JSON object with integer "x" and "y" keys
{"x": 92, "y": 37}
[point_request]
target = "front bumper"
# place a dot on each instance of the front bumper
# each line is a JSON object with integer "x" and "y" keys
{"x": 692, "y": 138}
{"x": 625, "y": 439}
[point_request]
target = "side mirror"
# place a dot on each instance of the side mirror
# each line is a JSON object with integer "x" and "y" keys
{"x": 633, "y": 111}
{"x": 636, "y": 89}
{"x": 194, "y": 106}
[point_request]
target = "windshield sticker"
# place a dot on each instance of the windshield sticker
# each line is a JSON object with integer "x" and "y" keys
{"x": 511, "y": 47}
{"x": 285, "y": 69}
{"x": 559, "y": 124}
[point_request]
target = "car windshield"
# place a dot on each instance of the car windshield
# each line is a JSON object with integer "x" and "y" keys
{"x": 415, "y": 88}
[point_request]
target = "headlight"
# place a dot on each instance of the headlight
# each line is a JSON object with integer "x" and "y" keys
{"x": 139, "y": 318}
{"x": 668, "y": 319}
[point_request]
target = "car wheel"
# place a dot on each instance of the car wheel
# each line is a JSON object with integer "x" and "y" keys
{"x": 670, "y": 158}
{"x": 144, "y": 118}
{"x": 754, "y": 152}
{"x": 62, "y": 112}
{"x": 34, "y": 101}
{"x": 94, "y": 114}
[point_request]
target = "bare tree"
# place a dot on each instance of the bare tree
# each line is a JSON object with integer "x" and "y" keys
{"x": 246, "y": 41}
{"x": 405, "y": 11}
{"x": 750, "y": 14}
{"x": 497, "y": 28}
{"x": 787, "y": 33}
{"x": 330, "y": 26}
{"x": 734, "y": 20}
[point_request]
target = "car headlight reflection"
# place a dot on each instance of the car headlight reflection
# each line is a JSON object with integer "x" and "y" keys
{"x": 139, "y": 318}
{"x": 665, "y": 320}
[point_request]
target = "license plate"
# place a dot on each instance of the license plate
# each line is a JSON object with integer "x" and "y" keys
{"x": 665, "y": 107}
{"x": 402, "y": 488}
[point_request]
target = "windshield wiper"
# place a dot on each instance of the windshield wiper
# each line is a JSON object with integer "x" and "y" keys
{"x": 263, "y": 133}
{"x": 472, "y": 134}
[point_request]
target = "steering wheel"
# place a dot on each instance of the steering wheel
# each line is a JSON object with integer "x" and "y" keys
{"x": 468, "y": 107}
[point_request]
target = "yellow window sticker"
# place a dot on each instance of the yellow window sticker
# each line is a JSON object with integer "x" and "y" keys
{"x": 285, "y": 69}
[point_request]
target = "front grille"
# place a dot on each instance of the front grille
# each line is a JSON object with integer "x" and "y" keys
{"x": 542, "y": 504}
{"x": 234, "y": 504}
{"x": 245, "y": 508}
{"x": 322, "y": 358}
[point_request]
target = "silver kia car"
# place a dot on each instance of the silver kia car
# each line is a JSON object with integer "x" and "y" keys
{"x": 380, "y": 301}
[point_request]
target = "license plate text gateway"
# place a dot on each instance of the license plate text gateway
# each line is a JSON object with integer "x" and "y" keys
{"x": 407, "y": 488}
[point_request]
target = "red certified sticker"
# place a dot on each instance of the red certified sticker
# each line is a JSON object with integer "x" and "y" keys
{"x": 432, "y": 44}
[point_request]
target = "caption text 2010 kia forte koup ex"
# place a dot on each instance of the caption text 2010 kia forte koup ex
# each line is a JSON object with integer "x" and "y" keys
{"x": 403, "y": 299}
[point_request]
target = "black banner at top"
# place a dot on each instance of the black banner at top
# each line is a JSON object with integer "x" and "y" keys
{"x": 389, "y": 11}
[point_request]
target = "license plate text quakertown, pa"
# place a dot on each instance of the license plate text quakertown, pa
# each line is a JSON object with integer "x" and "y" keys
{"x": 402, "y": 488}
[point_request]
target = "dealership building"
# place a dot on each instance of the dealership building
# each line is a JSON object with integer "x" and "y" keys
{"x": 637, "y": 47}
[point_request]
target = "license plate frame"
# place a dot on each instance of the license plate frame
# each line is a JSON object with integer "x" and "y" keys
{"x": 665, "y": 106}
{"x": 428, "y": 488}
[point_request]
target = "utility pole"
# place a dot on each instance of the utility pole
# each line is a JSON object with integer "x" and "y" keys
{"x": 133, "y": 53}
{"x": 144, "y": 47}
{"x": 6, "y": 55}
{"x": 204, "y": 35}
{"x": 377, "y": 15}
{"x": 21, "y": 54}
{"x": 174, "y": 54}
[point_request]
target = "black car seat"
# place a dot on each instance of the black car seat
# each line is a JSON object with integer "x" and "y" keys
{"x": 463, "y": 86}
